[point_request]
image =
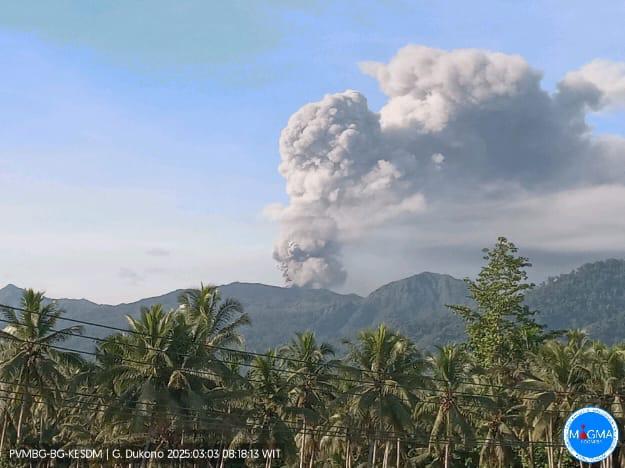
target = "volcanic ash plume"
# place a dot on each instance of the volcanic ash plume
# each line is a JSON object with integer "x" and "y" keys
{"x": 458, "y": 127}
{"x": 309, "y": 252}
{"x": 338, "y": 182}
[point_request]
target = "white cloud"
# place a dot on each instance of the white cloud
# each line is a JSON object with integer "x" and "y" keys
{"x": 607, "y": 77}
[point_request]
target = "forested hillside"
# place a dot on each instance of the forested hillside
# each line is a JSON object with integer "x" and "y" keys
{"x": 178, "y": 378}
{"x": 591, "y": 298}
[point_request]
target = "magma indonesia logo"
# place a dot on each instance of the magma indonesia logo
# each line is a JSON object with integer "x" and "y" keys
{"x": 590, "y": 434}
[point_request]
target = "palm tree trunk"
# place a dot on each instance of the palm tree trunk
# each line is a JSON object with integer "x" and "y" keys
{"x": 41, "y": 428}
{"x": 348, "y": 450}
{"x": 301, "y": 449}
{"x": 312, "y": 453}
{"x": 18, "y": 435}
{"x": 550, "y": 454}
{"x": 449, "y": 433}
{"x": 373, "y": 457}
{"x": 223, "y": 447}
{"x": 4, "y": 430}
{"x": 387, "y": 449}
{"x": 530, "y": 450}
{"x": 18, "y": 429}
{"x": 547, "y": 454}
{"x": 398, "y": 452}
{"x": 485, "y": 448}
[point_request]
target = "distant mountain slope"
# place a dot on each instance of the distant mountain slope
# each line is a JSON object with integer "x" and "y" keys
{"x": 276, "y": 312}
{"x": 82, "y": 309}
{"x": 591, "y": 297}
{"x": 416, "y": 306}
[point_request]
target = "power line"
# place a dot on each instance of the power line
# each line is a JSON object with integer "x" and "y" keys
{"x": 378, "y": 435}
{"x": 192, "y": 417}
{"x": 342, "y": 367}
{"x": 276, "y": 357}
{"x": 203, "y": 372}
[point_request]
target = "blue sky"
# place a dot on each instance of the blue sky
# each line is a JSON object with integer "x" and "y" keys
{"x": 138, "y": 140}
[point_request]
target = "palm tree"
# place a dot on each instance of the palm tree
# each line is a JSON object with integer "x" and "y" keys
{"x": 172, "y": 360}
{"x": 449, "y": 367}
{"x": 608, "y": 383}
{"x": 343, "y": 417}
{"x": 309, "y": 372}
{"x": 215, "y": 322}
{"x": 215, "y": 327}
{"x": 159, "y": 376}
{"x": 499, "y": 419}
{"x": 268, "y": 407}
{"x": 29, "y": 358}
{"x": 387, "y": 367}
{"x": 560, "y": 373}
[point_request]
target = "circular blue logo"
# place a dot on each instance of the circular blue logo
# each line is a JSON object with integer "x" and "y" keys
{"x": 590, "y": 434}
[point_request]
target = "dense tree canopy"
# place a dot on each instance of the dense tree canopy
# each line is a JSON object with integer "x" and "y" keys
{"x": 182, "y": 378}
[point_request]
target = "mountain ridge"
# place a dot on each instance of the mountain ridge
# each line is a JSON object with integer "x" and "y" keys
{"x": 591, "y": 297}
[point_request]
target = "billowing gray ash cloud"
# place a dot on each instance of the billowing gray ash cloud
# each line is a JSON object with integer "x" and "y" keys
{"x": 462, "y": 126}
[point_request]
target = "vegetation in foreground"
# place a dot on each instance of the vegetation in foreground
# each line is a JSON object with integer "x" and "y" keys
{"x": 180, "y": 378}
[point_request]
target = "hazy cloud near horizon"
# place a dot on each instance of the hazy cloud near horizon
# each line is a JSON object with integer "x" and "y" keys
{"x": 468, "y": 146}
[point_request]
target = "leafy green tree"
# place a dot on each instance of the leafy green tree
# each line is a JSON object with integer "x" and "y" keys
{"x": 176, "y": 376}
{"x": 500, "y": 328}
